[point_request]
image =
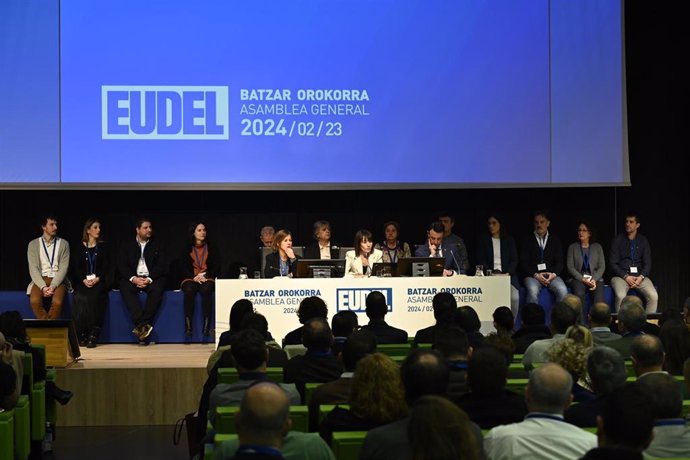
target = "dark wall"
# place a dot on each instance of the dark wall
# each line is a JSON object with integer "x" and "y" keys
{"x": 659, "y": 170}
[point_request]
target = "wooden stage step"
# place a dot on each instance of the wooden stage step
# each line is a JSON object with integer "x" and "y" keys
{"x": 123, "y": 384}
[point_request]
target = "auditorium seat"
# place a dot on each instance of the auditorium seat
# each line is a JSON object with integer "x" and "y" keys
{"x": 37, "y": 399}
{"x": 308, "y": 390}
{"x": 516, "y": 385}
{"x": 394, "y": 349}
{"x": 22, "y": 428}
{"x": 7, "y": 435}
{"x": 230, "y": 374}
{"x": 325, "y": 409}
{"x": 225, "y": 419}
{"x": 347, "y": 445}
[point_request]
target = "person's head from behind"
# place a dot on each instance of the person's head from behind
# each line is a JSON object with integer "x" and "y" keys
{"x": 570, "y": 355}
{"x": 377, "y": 392}
{"x": 439, "y": 429}
{"x": 487, "y": 371}
{"x": 266, "y": 235}
{"x": 675, "y": 338}
{"x": 600, "y": 315}
{"x": 533, "y": 315}
{"x": 579, "y": 334}
{"x": 12, "y": 325}
{"x": 665, "y": 394}
{"x": 376, "y": 307}
{"x": 575, "y": 303}
{"x": 263, "y": 418}
{"x": 631, "y": 316}
{"x": 444, "y": 305}
{"x": 358, "y": 345}
{"x": 647, "y": 354}
{"x": 344, "y": 323}
{"x": 257, "y": 322}
{"x": 249, "y": 351}
{"x": 562, "y": 317}
{"x": 467, "y": 318}
{"x": 452, "y": 344}
{"x": 501, "y": 343}
{"x": 606, "y": 370}
{"x": 312, "y": 307}
{"x": 549, "y": 389}
{"x": 424, "y": 372}
{"x": 627, "y": 419}
{"x": 503, "y": 320}
{"x": 317, "y": 335}
{"x": 238, "y": 311}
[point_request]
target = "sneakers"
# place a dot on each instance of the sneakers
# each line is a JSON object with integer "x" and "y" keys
{"x": 145, "y": 331}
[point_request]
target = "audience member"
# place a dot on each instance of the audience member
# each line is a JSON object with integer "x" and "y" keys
{"x": 343, "y": 324}
{"x": 92, "y": 270}
{"x": 9, "y": 390}
{"x": 436, "y": 247}
{"x": 376, "y": 309}
{"x": 489, "y": 404}
{"x": 309, "y": 307}
{"x": 450, "y": 238}
{"x": 199, "y": 265}
{"x": 504, "y": 321}
{"x": 541, "y": 261}
{"x": 580, "y": 334}
{"x": 533, "y": 327}
{"x": 631, "y": 321}
{"x": 497, "y": 251}
{"x": 586, "y": 264}
{"x": 251, "y": 355}
{"x": 318, "y": 364}
{"x": 467, "y": 318}
{"x": 576, "y": 304}
{"x": 624, "y": 429}
{"x": 675, "y": 338}
{"x": 607, "y": 374}
{"x": 142, "y": 265}
{"x": 357, "y": 346}
{"x": 423, "y": 372}
{"x": 391, "y": 247}
{"x": 572, "y": 357}
{"x": 686, "y": 312}
{"x": 671, "y": 433}
{"x": 283, "y": 260}
{"x": 630, "y": 261}
{"x": 543, "y": 434}
{"x": 322, "y": 248}
{"x": 439, "y": 430}
{"x": 296, "y": 446}
{"x": 562, "y": 317}
{"x": 376, "y": 398}
{"x": 599, "y": 323}
{"x": 452, "y": 344}
{"x": 503, "y": 345}
{"x": 647, "y": 355}
{"x": 238, "y": 310}
{"x": 444, "y": 305}
{"x": 48, "y": 258}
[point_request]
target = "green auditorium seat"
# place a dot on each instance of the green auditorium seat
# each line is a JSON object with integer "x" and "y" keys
{"x": 347, "y": 445}
{"x": 22, "y": 428}
{"x": 7, "y": 435}
{"x": 394, "y": 349}
{"x": 227, "y": 375}
{"x": 516, "y": 385}
{"x": 324, "y": 409}
{"x": 37, "y": 399}
{"x": 225, "y": 419}
{"x": 308, "y": 390}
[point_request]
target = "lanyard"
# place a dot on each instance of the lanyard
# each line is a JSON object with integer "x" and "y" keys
{"x": 392, "y": 258}
{"x": 283, "y": 267}
{"x": 542, "y": 242}
{"x": 45, "y": 248}
{"x": 203, "y": 255}
{"x": 546, "y": 416}
{"x": 585, "y": 258}
{"x": 91, "y": 258}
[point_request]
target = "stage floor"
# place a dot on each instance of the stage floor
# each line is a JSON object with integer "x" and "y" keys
{"x": 123, "y": 384}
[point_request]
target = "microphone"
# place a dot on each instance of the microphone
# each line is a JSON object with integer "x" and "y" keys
{"x": 457, "y": 264}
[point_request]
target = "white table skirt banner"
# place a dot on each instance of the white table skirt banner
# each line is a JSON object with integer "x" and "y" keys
{"x": 408, "y": 299}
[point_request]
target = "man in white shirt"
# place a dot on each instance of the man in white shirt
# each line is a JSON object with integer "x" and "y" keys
{"x": 671, "y": 433}
{"x": 543, "y": 434}
{"x": 48, "y": 258}
{"x": 562, "y": 317}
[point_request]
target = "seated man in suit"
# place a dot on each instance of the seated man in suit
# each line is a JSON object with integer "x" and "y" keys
{"x": 632, "y": 319}
{"x": 533, "y": 327}
{"x": 322, "y": 247}
{"x": 142, "y": 266}
{"x": 543, "y": 434}
{"x": 376, "y": 309}
{"x": 444, "y": 305}
{"x": 318, "y": 363}
{"x": 671, "y": 433}
{"x": 599, "y": 324}
{"x": 647, "y": 355}
{"x": 309, "y": 307}
{"x": 343, "y": 324}
{"x": 436, "y": 247}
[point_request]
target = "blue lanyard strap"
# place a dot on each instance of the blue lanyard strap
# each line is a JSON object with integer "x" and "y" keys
{"x": 45, "y": 248}
{"x": 585, "y": 258}
{"x": 546, "y": 416}
{"x": 393, "y": 258}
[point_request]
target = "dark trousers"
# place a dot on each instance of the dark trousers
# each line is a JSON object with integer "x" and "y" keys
{"x": 205, "y": 290}
{"x": 581, "y": 291}
{"x": 88, "y": 309}
{"x": 154, "y": 296}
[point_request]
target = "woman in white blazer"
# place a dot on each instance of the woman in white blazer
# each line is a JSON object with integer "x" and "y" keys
{"x": 360, "y": 261}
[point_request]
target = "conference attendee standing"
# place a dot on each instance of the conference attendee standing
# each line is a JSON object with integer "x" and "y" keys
{"x": 199, "y": 265}
{"x": 391, "y": 247}
{"x": 586, "y": 265}
{"x": 142, "y": 266}
{"x": 92, "y": 270}
{"x": 496, "y": 251}
{"x": 48, "y": 258}
{"x": 322, "y": 247}
{"x": 360, "y": 261}
{"x": 631, "y": 261}
{"x": 541, "y": 261}
{"x": 282, "y": 261}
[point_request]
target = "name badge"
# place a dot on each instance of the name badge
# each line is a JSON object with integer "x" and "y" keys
{"x": 541, "y": 267}
{"x": 51, "y": 274}
{"x": 90, "y": 277}
{"x": 633, "y": 270}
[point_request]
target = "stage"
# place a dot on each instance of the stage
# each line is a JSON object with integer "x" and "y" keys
{"x": 123, "y": 384}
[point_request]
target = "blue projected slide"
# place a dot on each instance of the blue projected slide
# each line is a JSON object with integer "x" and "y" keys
{"x": 349, "y": 93}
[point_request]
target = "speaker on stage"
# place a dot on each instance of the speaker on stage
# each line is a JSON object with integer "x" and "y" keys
{"x": 59, "y": 337}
